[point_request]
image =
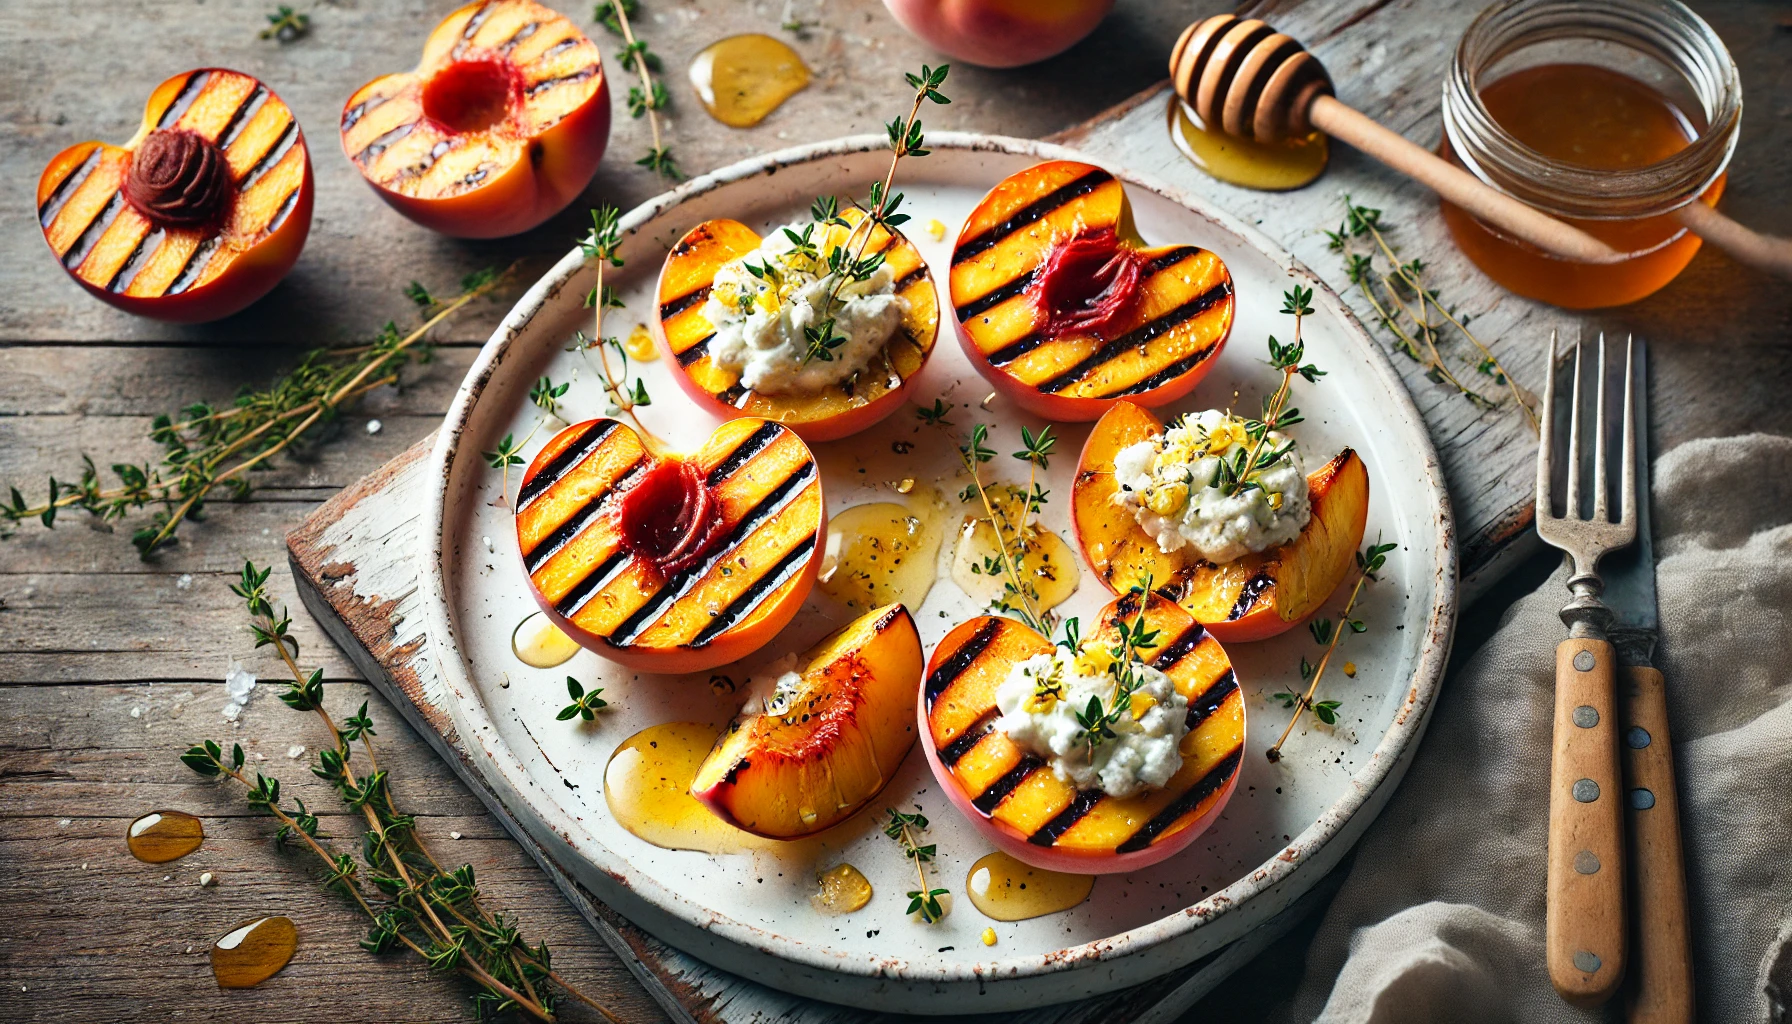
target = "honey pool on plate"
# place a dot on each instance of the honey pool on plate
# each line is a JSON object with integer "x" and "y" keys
{"x": 538, "y": 643}
{"x": 251, "y": 953}
{"x": 161, "y": 836}
{"x": 1004, "y": 889}
{"x": 743, "y": 78}
{"x": 883, "y": 552}
{"x": 1046, "y": 562}
{"x": 842, "y": 890}
{"x": 647, "y": 785}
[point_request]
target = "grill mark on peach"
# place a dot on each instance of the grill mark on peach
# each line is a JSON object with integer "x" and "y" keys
{"x": 994, "y": 298}
{"x": 909, "y": 279}
{"x": 135, "y": 262}
{"x": 244, "y": 111}
{"x": 697, "y": 351}
{"x": 984, "y": 725}
{"x": 1015, "y": 349}
{"x": 673, "y": 307}
{"x": 1163, "y": 376}
{"x": 1209, "y": 700}
{"x": 680, "y": 584}
{"x": 991, "y": 798}
{"x": 575, "y": 452}
{"x": 557, "y": 49}
{"x": 754, "y": 443}
{"x": 1139, "y": 336}
{"x": 592, "y": 582}
{"x": 373, "y": 149}
{"x": 1033, "y": 211}
{"x": 472, "y": 29}
{"x": 285, "y": 209}
{"x": 196, "y": 264}
{"x": 1190, "y": 800}
{"x": 1048, "y": 833}
{"x": 90, "y": 235}
{"x": 352, "y": 116}
{"x": 68, "y": 186}
{"x": 1248, "y": 594}
{"x": 545, "y": 84}
{"x": 189, "y": 92}
{"x": 1179, "y": 648}
{"x": 757, "y": 594}
{"x": 268, "y": 162}
{"x": 962, "y": 659}
{"x": 575, "y": 524}
{"x": 521, "y": 34}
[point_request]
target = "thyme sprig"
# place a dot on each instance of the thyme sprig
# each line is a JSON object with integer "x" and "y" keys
{"x": 411, "y": 900}
{"x": 602, "y": 247}
{"x": 648, "y": 98}
{"x": 1413, "y": 313}
{"x": 1019, "y": 597}
{"x": 1369, "y": 561}
{"x": 1244, "y": 470}
{"x": 206, "y": 447}
{"x": 1097, "y": 719}
{"x": 286, "y": 24}
{"x": 584, "y": 705}
{"x": 906, "y": 829}
{"x": 847, "y": 261}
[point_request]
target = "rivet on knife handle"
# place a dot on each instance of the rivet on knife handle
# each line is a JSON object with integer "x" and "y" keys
{"x": 1661, "y": 988}
{"x": 1585, "y": 926}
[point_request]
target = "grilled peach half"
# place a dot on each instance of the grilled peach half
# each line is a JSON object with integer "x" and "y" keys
{"x": 669, "y": 563}
{"x": 823, "y": 751}
{"x": 499, "y": 127}
{"x": 1063, "y": 309}
{"x": 1252, "y": 598}
{"x": 201, "y": 213}
{"x": 1037, "y": 816}
{"x": 683, "y": 334}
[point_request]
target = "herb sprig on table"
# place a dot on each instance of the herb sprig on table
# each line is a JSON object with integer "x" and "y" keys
{"x": 648, "y": 98}
{"x": 412, "y": 901}
{"x": 1412, "y": 312}
{"x": 206, "y": 447}
{"x": 286, "y": 24}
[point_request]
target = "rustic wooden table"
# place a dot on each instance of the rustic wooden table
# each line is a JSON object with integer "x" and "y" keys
{"x": 111, "y": 665}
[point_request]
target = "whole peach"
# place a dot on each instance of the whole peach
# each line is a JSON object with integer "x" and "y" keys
{"x": 1000, "y": 33}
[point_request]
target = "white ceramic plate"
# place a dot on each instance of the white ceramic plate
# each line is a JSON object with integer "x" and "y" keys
{"x": 1287, "y": 824}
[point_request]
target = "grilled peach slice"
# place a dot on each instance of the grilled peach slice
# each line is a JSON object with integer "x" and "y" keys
{"x": 819, "y": 753}
{"x": 683, "y": 334}
{"x": 500, "y": 126}
{"x": 668, "y": 563}
{"x": 1063, "y": 309}
{"x": 201, "y": 213}
{"x": 1029, "y": 810}
{"x": 1252, "y": 598}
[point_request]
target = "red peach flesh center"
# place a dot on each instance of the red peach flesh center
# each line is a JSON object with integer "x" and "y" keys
{"x": 470, "y": 95}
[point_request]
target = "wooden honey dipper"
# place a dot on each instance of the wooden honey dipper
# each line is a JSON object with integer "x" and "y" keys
{"x": 1246, "y": 79}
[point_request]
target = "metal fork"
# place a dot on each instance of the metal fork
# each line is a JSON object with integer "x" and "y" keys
{"x": 1585, "y": 922}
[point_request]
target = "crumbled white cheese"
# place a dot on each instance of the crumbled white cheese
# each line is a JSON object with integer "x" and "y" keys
{"x": 1172, "y": 484}
{"x": 1143, "y": 753}
{"x": 760, "y": 318}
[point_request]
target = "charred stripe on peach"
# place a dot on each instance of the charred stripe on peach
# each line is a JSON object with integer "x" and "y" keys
{"x": 1188, "y": 803}
{"x": 1037, "y": 209}
{"x": 967, "y": 654}
{"x": 1140, "y": 336}
{"x": 575, "y": 452}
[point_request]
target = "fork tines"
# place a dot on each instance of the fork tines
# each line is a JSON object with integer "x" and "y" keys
{"x": 1586, "y": 537}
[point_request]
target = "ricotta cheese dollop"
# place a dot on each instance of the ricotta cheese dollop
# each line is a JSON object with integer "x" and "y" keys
{"x": 1143, "y": 753}
{"x": 760, "y": 315}
{"x": 1172, "y": 484}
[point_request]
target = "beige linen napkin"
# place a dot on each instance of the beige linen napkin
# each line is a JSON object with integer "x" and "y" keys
{"x": 1441, "y": 916}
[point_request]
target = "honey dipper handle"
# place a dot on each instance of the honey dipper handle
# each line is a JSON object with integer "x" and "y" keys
{"x": 1333, "y": 117}
{"x": 1763, "y": 252}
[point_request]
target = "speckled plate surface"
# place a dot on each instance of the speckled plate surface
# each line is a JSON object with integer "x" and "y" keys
{"x": 1286, "y": 826}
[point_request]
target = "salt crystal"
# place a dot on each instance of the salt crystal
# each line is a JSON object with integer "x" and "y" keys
{"x": 373, "y": 426}
{"x": 231, "y": 712}
{"x": 136, "y": 712}
{"x": 295, "y": 750}
{"x": 167, "y": 878}
{"x": 454, "y": 835}
{"x": 207, "y": 879}
{"x": 64, "y": 823}
{"x": 185, "y": 582}
{"x": 488, "y": 544}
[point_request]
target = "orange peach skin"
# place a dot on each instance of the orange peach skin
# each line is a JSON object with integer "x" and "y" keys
{"x": 1000, "y": 33}
{"x": 1290, "y": 583}
{"x": 554, "y": 169}
{"x": 250, "y": 275}
{"x": 790, "y": 776}
{"x": 680, "y": 329}
{"x": 955, "y": 709}
{"x": 607, "y": 471}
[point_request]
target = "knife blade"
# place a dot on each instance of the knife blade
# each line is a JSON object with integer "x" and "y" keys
{"x": 1629, "y": 574}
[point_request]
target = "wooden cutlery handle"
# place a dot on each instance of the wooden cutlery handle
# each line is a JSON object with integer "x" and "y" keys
{"x": 1660, "y": 991}
{"x": 1585, "y": 921}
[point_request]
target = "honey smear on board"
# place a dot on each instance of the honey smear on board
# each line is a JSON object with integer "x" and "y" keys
{"x": 1267, "y": 166}
{"x": 250, "y": 954}
{"x": 883, "y": 552}
{"x": 1600, "y": 119}
{"x": 161, "y": 836}
{"x": 647, "y": 784}
{"x": 1004, "y": 889}
{"x": 843, "y": 889}
{"x": 538, "y": 643}
{"x": 1045, "y": 562}
{"x": 742, "y": 79}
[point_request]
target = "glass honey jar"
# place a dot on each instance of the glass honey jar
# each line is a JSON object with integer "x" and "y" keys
{"x": 1609, "y": 114}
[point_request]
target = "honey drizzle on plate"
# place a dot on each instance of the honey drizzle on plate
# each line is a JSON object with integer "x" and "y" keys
{"x": 647, "y": 785}
{"x": 1045, "y": 560}
{"x": 1004, "y": 889}
{"x": 843, "y": 889}
{"x": 538, "y": 643}
{"x": 883, "y": 552}
{"x": 742, "y": 79}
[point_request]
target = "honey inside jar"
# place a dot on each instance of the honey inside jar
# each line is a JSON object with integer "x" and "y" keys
{"x": 1591, "y": 117}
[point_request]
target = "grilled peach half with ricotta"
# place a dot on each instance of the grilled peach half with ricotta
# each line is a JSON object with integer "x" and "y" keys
{"x": 827, "y": 739}
{"x": 1251, "y": 598}
{"x": 201, "y": 213}
{"x": 685, "y": 334}
{"x": 671, "y": 563}
{"x": 1065, "y": 311}
{"x": 500, "y": 126}
{"x": 1033, "y": 812}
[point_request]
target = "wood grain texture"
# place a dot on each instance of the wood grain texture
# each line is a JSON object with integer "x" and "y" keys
{"x": 1660, "y": 987}
{"x": 1584, "y": 923}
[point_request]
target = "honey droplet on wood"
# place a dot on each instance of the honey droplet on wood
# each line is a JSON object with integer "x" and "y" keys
{"x": 1046, "y": 565}
{"x": 1268, "y": 166}
{"x": 1004, "y": 889}
{"x": 883, "y": 552}
{"x": 161, "y": 836}
{"x": 647, "y": 784}
{"x": 741, "y": 79}
{"x": 844, "y": 889}
{"x": 640, "y": 346}
{"x": 538, "y": 643}
{"x": 252, "y": 953}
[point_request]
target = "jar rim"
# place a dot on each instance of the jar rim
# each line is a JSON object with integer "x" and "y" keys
{"x": 1666, "y": 30}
